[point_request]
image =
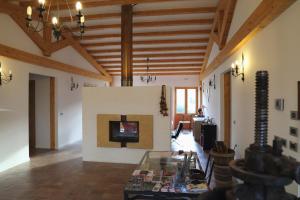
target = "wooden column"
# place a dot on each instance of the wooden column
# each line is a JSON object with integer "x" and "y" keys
{"x": 126, "y": 45}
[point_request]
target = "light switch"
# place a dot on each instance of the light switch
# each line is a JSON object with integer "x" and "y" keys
{"x": 294, "y": 146}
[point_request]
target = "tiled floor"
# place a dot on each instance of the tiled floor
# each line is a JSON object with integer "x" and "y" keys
{"x": 61, "y": 175}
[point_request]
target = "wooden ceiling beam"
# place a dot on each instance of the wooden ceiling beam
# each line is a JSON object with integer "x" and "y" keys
{"x": 147, "y": 42}
{"x": 93, "y": 16}
{"x": 174, "y": 11}
{"x": 264, "y": 14}
{"x": 48, "y": 63}
{"x": 162, "y": 74}
{"x": 159, "y": 49}
{"x": 99, "y": 3}
{"x": 148, "y": 13}
{"x": 226, "y": 22}
{"x": 151, "y": 24}
{"x": 127, "y": 45}
{"x": 158, "y": 66}
{"x": 161, "y": 70}
{"x": 153, "y": 55}
{"x": 212, "y": 37}
{"x": 148, "y": 34}
{"x": 199, "y": 60}
{"x": 59, "y": 45}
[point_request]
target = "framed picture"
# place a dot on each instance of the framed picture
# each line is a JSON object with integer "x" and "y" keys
{"x": 279, "y": 104}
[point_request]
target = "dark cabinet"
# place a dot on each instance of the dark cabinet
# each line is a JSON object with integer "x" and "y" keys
{"x": 208, "y": 136}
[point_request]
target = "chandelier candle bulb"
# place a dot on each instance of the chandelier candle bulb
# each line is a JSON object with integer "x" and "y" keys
{"x": 29, "y": 12}
{"x": 82, "y": 19}
{"x": 78, "y": 6}
{"x": 54, "y": 20}
{"x": 42, "y": 2}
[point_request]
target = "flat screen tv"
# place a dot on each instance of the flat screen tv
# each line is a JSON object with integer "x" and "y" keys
{"x": 124, "y": 131}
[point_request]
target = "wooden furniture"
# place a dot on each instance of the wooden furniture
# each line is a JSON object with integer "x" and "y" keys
{"x": 208, "y": 136}
{"x": 185, "y": 119}
{"x": 204, "y": 133}
{"x": 197, "y": 121}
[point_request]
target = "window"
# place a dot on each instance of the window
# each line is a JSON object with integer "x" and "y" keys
{"x": 180, "y": 99}
{"x": 186, "y": 100}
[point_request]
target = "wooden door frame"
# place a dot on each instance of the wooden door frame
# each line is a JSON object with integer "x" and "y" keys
{"x": 52, "y": 89}
{"x": 31, "y": 115}
{"x": 53, "y": 144}
{"x": 226, "y": 115}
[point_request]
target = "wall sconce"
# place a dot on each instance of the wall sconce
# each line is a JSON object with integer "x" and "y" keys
{"x": 73, "y": 84}
{"x": 238, "y": 69}
{"x": 4, "y": 78}
{"x": 203, "y": 87}
{"x": 212, "y": 82}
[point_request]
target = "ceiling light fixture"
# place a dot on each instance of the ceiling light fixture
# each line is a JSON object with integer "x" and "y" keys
{"x": 148, "y": 77}
{"x": 42, "y": 22}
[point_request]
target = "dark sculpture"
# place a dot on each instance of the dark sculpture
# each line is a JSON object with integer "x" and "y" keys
{"x": 163, "y": 102}
{"x": 265, "y": 171}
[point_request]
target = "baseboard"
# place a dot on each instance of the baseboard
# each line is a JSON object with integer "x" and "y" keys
{"x": 4, "y": 167}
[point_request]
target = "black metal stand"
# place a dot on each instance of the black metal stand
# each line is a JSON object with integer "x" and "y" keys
{"x": 123, "y": 144}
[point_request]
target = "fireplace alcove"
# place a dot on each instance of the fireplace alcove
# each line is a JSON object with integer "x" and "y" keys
{"x": 135, "y": 131}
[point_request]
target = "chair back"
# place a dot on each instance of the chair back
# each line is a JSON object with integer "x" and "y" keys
{"x": 179, "y": 129}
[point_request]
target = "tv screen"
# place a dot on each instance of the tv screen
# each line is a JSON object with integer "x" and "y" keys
{"x": 124, "y": 131}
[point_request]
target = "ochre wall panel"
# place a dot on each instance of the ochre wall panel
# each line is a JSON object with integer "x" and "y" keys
{"x": 145, "y": 131}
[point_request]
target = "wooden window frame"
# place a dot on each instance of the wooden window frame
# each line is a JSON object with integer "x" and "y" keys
{"x": 186, "y": 99}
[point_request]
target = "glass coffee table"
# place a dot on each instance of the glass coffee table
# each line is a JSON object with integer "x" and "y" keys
{"x": 167, "y": 175}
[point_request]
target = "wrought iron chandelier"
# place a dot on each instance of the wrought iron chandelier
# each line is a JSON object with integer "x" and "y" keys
{"x": 148, "y": 77}
{"x": 57, "y": 27}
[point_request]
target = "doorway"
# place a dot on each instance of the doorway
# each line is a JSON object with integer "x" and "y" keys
{"x": 227, "y": 108}
{"x": 41, "y": 113}
{"x": 186, "y": 104}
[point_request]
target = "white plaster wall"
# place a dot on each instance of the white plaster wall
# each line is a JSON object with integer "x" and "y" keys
{"x": 123, "y": 100}
{"x": 42, "y": 113}
{"x": 14, "y": 98}
{"x": 243, "y": 10}
{"x": 275, "y": 49}
{"x": 171, "y": 81}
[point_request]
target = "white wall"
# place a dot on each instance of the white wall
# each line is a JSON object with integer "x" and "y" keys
{"x": 14, "y": 98}
{"x": 275, "y": 49}
{"x": 42, "y": 113}
{"x": 171, "y": 81}
{"x": 123, "y": 100}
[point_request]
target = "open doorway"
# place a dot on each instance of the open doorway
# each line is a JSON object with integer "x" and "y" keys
{"x": 186, "y": 105}
{"x": 227, "y": 107}
{"x": 41, "y": 113}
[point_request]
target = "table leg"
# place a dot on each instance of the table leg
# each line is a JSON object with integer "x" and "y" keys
{"x": 126, "y": 196}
